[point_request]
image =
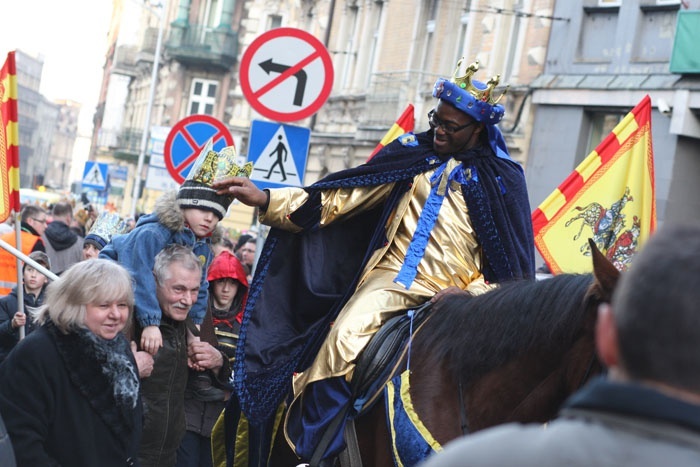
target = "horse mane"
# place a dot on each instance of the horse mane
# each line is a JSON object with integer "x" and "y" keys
{"x": 472, "y": 335}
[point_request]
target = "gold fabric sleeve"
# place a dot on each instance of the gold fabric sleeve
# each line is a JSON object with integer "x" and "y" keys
{"x": 335, "y": 204}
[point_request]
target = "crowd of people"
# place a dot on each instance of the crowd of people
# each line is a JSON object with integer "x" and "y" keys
{"x": 131, "y": 355}
{"x": 124, "y": 305}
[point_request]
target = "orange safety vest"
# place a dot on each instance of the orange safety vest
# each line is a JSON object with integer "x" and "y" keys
{"x": 8, "y": 261}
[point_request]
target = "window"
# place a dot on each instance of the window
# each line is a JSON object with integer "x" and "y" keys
{"x": 462, "y": 41}
{"x": 377, "y": 13}
{"x": 349, "y": 31}
{"x": 203, "y": 97}
{"x": 598, "y": 28}
{"x": 655, "y": 35}
{"x": 212, "y": 13}
{"x": 515, "y": 41}
{"x": 431, "y": 15}
{"x": 274, "y": 22}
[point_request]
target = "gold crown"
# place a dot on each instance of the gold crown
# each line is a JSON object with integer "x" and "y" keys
{"x": 212, "y": 165}
{"x": 465, "y": 82}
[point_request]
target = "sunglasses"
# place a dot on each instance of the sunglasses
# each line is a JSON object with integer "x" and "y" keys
{"x": 449, "y": 128}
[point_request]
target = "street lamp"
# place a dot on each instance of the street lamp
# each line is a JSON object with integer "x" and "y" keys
{"x": 149, "y": 109}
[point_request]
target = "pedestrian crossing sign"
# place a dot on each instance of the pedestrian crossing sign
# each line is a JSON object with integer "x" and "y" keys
{"x": 279, "y": 153}
{"x": 95, "y": 175}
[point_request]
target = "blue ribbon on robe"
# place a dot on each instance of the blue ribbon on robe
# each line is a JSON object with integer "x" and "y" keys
{"x": 426, "y": 222}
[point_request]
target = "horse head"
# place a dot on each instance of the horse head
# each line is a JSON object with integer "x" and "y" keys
{"x": 605, "y": 275}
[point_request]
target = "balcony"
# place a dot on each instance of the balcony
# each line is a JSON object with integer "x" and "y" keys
{"x": 684, "y": 58}
{"x": 202, "y": 46}
{"x": 128, "y": 145}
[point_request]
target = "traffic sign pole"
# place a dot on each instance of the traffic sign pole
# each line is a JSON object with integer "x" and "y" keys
{"x": 151, "y": 96}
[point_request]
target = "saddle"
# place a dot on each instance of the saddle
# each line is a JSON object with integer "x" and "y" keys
{"x": 374, "y": 367}
{"x": 377, "y": 362}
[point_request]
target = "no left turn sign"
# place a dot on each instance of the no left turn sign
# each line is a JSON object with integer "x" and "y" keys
{"x": 286, "y": 74}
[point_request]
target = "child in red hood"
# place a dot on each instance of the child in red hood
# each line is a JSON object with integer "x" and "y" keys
{"x": 205, "y": 397}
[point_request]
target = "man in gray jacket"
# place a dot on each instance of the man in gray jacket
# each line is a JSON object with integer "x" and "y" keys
{"x": 646, "y": 412}
{"x": 64, "y": 247}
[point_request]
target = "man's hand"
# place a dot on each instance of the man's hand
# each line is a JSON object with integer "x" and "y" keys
{"x": 451, "y": 290}
{"x": 204, "y": 356}
{"x": 151, "y": 339}
{"x": 19, "y": 319}
{"x": 144, "y": 361}
{"x": 242, "y": 189}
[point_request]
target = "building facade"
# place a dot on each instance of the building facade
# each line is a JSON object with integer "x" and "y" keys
{"x": 386, "y": 54}
{"x": 599, "y": 64}
{"x": 47, "y": 130}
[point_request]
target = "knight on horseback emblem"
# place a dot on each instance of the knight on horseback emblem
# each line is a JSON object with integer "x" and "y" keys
{"x": 609, "y": 230}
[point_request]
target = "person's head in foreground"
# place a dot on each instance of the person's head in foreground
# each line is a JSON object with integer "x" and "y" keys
{"x": 650, "y": 333}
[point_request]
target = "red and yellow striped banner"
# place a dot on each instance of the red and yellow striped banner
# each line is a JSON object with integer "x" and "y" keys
{"x": 403, "y": 124}
{"x": 609, "y": 197}
{"x": 9, "y": 140}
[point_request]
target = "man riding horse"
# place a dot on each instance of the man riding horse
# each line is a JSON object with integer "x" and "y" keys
{"x": 446, "y": 209}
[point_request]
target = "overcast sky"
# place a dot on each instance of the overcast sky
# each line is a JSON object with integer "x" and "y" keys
{"x": 71, "y": 35}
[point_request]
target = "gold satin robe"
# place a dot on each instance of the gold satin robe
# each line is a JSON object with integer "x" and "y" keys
{"x": 452, "y": 258}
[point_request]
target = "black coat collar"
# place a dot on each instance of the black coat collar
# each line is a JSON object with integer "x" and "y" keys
{"x": 85, "y": 370}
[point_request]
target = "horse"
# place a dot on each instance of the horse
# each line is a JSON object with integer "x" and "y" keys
{"x": 513, "y": 354}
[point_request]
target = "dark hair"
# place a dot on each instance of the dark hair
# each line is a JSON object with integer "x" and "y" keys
{"x": 655, "y": 309}
{"x": 242, "y": 240}
{"x": 62, "y": 208}
{"x": 41, "y": 258}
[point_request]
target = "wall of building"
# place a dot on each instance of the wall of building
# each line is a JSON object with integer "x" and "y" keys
{"x": 383, "y": 60}
{"x": 683, "y": 187}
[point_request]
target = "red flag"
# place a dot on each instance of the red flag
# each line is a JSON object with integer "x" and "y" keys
{"x": 403, "y": 124}
{"x": 9, "y": 140}
{"x": 609, "y": 197}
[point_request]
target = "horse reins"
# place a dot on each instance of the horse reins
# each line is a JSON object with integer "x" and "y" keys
{"x": 588, "y": 371}
{"x": 464, "y": 423}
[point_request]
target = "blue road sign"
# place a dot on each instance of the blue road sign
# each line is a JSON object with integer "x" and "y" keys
{"x": 95, "y": 175}
{"x": 186, "y": 140}
{"x": 278, "y": 153}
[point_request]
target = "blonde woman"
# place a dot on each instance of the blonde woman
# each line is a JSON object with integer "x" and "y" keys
{"x": 69, "y": 392}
